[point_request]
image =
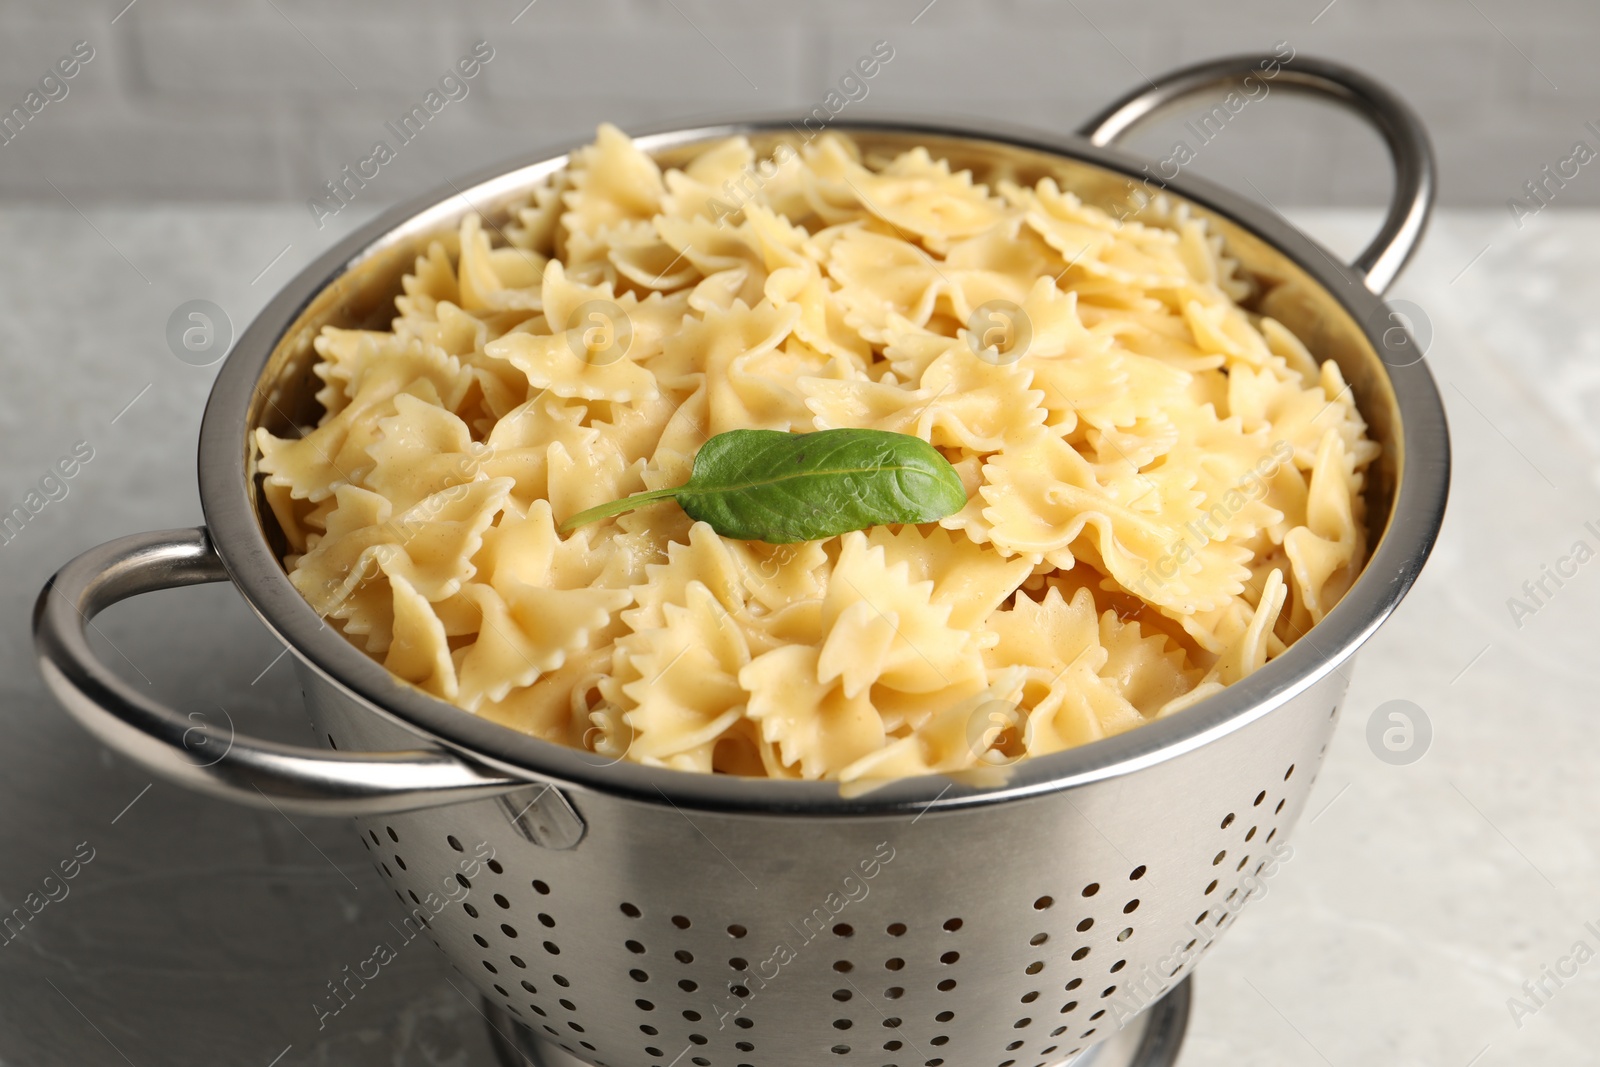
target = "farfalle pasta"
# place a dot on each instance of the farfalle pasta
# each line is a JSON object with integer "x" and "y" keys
{"x": 1164, "y": 490}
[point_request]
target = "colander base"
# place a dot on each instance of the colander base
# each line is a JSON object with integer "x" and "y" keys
{"x": 1154, "y": 1039}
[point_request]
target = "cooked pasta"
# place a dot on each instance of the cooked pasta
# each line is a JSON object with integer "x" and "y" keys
{"x": 1164, "y": 490}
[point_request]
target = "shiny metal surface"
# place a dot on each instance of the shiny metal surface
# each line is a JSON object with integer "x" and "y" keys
{"x": 996, "y": 917}
{"x": 201, "y": 755}
{"x": 1029, "y": 930}
{"x": 1415, "y": 177}
{"x": 1151, "y": 1040}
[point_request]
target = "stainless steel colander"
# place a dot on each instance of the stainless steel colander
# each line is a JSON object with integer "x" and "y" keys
{"x": 632, "y": 916}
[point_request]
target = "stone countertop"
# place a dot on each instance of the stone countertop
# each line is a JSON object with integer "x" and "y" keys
{"x": 1419, "y": 898}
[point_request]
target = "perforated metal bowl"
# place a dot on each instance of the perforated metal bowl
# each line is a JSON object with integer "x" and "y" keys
{"x": 633, "y": 916}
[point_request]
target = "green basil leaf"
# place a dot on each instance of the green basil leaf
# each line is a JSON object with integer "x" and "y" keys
{"x": 767, "y": 485}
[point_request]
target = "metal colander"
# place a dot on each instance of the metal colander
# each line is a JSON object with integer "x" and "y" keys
{"x": 1003, "y": 934}
{"x": 631, "y": 916}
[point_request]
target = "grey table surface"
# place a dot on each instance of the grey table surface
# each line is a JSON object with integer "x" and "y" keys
{"x": 1419, "y": 900}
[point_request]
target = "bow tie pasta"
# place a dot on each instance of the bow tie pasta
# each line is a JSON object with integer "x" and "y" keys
{"x": 1164, "y": 490}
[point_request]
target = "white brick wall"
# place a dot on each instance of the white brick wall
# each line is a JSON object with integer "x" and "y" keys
{"x": 265, "y": 99}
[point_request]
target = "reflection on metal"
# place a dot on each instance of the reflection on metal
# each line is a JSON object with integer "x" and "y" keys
{"x": 544, "y": 816}
{"x": 1152, "y": 1040}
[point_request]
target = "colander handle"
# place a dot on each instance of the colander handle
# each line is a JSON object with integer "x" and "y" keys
{"x": 1414, "y": 172}
{"x": 195, "y": 754}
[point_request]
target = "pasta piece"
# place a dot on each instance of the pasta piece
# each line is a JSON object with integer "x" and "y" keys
{"x": 815, "y": 725}
{"x": 882, "y": 627}
{"x": 687, "y": 692}
{"x": 960, "y": 401}
{"x": 588, "y": 359}
{"x": 419, "y": 653}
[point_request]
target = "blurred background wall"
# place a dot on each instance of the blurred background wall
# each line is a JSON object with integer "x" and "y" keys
{"x": 264, "y": 100}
